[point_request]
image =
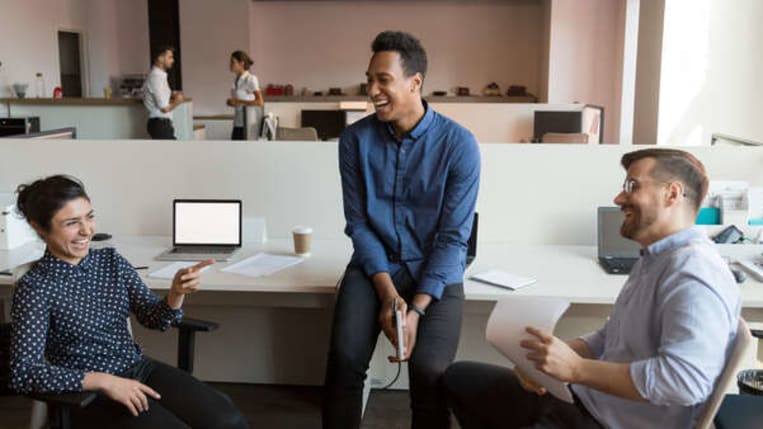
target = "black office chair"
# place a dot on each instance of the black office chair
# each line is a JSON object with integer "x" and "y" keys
{"x": 744, "y": 411}
{"x": 61, "y": 404}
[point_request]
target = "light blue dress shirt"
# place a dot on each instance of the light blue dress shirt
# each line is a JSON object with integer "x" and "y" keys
{"x": 674, "y": 321}
{"x": 410, "y": 203}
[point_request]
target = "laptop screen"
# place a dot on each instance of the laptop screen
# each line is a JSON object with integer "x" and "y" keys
{"x": 611, "y": 243}
{"x": 207, "y": 222}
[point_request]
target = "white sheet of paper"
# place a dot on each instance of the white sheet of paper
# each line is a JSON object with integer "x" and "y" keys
{"x": 168, "y": 271}
{"x": 503, "y": 279}
{"x": 506, "y": 328}
{"x": 262, "y": 264}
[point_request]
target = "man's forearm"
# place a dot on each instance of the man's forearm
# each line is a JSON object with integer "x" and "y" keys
{"x": 608, "y": 377}
{"x": 385, "y": 288}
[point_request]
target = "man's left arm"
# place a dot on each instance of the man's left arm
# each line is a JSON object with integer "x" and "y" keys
{"x": 444, "y": 264}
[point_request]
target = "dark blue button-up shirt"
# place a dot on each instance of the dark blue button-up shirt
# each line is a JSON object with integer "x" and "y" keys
{"x": 410, "y": 203}
{"x": 72, "y": 319}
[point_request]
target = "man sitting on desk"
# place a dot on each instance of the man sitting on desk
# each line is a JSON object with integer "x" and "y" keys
{"x": 656, "y": 360}
{"x": 409, "y": 178}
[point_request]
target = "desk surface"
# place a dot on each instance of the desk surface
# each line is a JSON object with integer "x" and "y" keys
{"x": 568, "y": 272}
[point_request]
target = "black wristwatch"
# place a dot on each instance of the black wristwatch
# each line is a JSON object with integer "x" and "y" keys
{"x": 416, "y": 309}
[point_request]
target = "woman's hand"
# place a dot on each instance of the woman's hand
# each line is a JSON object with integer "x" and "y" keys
{"x": 128, "y": 392}
{"x": 187, "y": 280}
{"x": 232, "y": 102}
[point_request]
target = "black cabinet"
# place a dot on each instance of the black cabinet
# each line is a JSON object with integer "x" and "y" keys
{"x": 15, "y": 126}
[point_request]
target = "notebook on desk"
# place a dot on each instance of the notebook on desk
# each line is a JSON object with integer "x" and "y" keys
{"x": 617, "y": 254}
{"x": 204, "y": 229}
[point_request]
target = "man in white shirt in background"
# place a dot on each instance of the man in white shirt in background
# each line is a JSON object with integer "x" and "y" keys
{"x": 159, "y": 98}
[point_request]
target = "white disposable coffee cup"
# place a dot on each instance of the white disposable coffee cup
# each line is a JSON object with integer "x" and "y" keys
{"x": 303, "y": 237}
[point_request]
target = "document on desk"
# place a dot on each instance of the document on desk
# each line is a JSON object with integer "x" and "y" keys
{"x": 503, "y": 279}
{"x": 506, "y": 328}
{"x": 168, "y": 272}
{"x": 262, "y": 264}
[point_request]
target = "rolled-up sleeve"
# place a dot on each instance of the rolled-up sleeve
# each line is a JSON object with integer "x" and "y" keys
{"x": 30, "y": 371}
{"x": 370, "y": 253}
{"x": 150, "y": 310}
{"x": 695, "y": 336}
{"x": 445, "y": 265}
{"x": 595, "y": 341}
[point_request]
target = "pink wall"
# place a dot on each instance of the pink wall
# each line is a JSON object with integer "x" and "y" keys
{"x": 585, "y": 56}
{"x": 325, "y": 44}
{"x": 28, "y": 39}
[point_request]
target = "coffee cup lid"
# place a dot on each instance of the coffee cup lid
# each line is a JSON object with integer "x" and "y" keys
{"x": 301, "y": 229}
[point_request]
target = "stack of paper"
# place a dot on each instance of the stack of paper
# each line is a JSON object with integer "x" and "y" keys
{"x": 503, "y": 279}
{"x": 168, "y": 271}
{"x": 507, "y": 327}
{"x": 262, "y": 264}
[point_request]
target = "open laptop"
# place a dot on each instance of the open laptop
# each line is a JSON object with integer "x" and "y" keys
{"x": 617, "y": 254}
{"x": 203, "y": 229}
{"x": 471, "y": 249}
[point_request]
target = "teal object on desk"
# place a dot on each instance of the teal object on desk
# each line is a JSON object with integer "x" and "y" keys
{"x": 709, "y": 216}
{"x": 755, "y": 222}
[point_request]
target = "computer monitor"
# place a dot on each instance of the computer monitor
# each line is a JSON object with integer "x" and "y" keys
{"x": 328, "y": 123}
{"x": 610, "y": 242}
{"x": 556, "y": 122}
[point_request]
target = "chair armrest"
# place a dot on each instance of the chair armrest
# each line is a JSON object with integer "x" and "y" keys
{"x": 71, "y": 399}
{"x": 196, "y": 325}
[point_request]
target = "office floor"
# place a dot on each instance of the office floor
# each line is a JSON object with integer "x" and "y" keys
{"x": 265, "y": 406}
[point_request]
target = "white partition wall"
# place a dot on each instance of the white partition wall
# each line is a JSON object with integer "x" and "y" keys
{"x": 535, "y": 194}
{"x": 529, "y": 195}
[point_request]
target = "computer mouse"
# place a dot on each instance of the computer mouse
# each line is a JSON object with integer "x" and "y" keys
{"x": 739, "y": 275}
{"x": 101, "y": 236}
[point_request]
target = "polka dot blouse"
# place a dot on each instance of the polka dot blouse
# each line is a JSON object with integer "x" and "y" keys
{"x": 72, "y": 319}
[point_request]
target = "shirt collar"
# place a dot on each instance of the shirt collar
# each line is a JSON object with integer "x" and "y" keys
{"x": 421, "y": 127}
{"x": 155, "y": 69}
{"x": 51, "y": 262}
{"x": 674, "y": 241}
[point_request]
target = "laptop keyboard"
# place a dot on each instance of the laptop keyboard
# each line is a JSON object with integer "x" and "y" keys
{"x": 197, "y": 250}
{"x": 620, "y": 265}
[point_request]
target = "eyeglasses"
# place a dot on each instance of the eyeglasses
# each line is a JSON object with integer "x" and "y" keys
{"x": 632, "y": 185}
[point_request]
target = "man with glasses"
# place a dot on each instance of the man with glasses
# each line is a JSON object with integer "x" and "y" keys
{"x": 655, "y": 361}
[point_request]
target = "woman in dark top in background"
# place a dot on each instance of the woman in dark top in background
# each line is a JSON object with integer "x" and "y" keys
{"x": 70, "y": 328}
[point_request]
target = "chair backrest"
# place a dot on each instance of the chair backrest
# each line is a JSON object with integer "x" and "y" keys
{"x": 742, "y": 342}
{"x": 302, "y": 134}
{"x": 565, "y": 138}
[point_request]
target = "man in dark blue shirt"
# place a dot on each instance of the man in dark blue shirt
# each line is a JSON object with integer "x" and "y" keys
{"x": 409, "y": 179}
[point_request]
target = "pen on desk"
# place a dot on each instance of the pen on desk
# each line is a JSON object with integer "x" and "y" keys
{"x": 6, "y": 273}
{"x": 141, "y": 267}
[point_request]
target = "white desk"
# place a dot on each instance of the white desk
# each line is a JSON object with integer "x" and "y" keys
{"x": 275, "y": 329}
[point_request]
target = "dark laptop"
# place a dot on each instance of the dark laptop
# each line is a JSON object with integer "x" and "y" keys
{"x": 617, "y": 254}
{"x": 471, "y": 249}
{"x": 204, "y": 229}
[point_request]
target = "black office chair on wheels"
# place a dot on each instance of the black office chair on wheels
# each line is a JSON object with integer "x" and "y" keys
{"x": 61, "y": 404}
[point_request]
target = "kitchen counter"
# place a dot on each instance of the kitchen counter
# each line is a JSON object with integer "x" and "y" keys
{"x": 76, "y": 101}
{"x": 430, "y": 98}
{"x": 98, "y": 118}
